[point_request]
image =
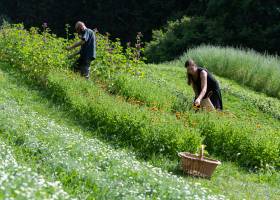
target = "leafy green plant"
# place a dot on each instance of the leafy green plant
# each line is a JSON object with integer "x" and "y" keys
{"x": 81, "y": 165}
{"x": 64, "y": 136}
{"x": 160, "y": 94}
{"x": 155, "y": 133}
{"x": 37, "y": 55}
{"x": 43, "y": 51}
{"x": 175, "y": 38}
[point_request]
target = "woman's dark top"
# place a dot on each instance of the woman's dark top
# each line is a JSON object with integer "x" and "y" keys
{"x": 213, "y": 89}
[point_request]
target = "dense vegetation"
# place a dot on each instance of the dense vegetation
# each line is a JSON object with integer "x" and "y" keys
{"x": 260, "y": 72}
{"x": 155, "y": 122}
{"x": 244, "y": 23}
{"x": 122, "y": 18}
{"x": 127, "y": 123}
{"x": 225, "y": 134}
{"x": 236, "y": 23}
{"x": 42, "y": 156}
{"x": 154, "y": 132}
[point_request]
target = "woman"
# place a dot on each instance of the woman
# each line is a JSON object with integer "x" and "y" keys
{"x": 203, "y": 84}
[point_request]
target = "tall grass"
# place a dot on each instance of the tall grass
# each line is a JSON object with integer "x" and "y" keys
{"x": 233, "y": 138}
{"x": 85, "y": 167}
{"x": 149, "y": 91}
{"x": 148, "y": 132}
{"x": 247, "y": 67}
{"x": 226, "y": 180}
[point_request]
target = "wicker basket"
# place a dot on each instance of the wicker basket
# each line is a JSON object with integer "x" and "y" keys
{"x": 197, "y": 165}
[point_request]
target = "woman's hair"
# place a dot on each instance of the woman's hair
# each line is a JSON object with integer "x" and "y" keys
{"x": 189, "y": 77}
{"x": 189, "y": 62}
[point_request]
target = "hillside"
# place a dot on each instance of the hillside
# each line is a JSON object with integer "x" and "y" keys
{"x": 118, "y": 134}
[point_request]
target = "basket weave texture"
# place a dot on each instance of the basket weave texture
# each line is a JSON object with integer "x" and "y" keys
{"x": 197, "y": 165}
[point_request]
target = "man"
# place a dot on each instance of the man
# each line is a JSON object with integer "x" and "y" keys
{"x": 87, "y": 51}
{"x": 204, "y": 85}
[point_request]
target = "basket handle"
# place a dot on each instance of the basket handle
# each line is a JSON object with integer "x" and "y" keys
{"x": 201, "y": 152}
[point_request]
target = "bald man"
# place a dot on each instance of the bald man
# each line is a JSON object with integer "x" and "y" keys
{"x": 88, "y": 49}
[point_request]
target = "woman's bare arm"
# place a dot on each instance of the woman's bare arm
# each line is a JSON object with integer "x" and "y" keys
{"x": 203, "y": 77}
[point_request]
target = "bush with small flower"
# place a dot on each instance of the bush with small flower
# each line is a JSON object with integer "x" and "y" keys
{"x": 86, "y": 167}
{"x": 149, "y": 133}
{"x": 39, "y": 51}
{"x": 131, "y": 125}
{"x": 226, "y": 136}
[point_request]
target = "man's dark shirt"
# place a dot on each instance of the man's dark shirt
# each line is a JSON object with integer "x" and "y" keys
{"x": 88, "y": 49}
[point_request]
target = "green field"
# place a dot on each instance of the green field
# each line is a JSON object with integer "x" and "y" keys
{"x": 117, "y": 135}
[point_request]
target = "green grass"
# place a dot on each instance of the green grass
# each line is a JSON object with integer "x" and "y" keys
{"x": 150, "y": 128}
{"x": 258, "y": 100}
{"x": 260, "y": 72}
{"x": 148, "y": 132}
{"x": 86, "y": 167}
{"x": 143, "y": 91}
{"x": 250, "y": 133}
{"x": 243, "y": 115}
{"x": 21, "y": 182}
{"x": 56, "y": 131}
{"x": 239, "y": 102}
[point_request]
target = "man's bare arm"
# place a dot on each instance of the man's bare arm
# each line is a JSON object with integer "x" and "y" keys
{"x": 77, "y": 44}
{"x": 74, "y": 54}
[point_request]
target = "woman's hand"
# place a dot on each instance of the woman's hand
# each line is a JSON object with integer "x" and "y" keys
{"x": 197, "y": 102}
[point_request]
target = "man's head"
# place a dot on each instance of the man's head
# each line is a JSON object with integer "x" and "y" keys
{"x": 191, "y": 66}
{"x": 80, "y": 26}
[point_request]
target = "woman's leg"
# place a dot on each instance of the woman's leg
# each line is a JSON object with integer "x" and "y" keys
{"x": 216, "y": 99}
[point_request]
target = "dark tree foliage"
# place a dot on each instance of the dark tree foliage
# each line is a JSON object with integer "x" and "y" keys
{"x": 121, "y": 18}
{"x": 248, "y": 23}
{"x": 239, "y": 23}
